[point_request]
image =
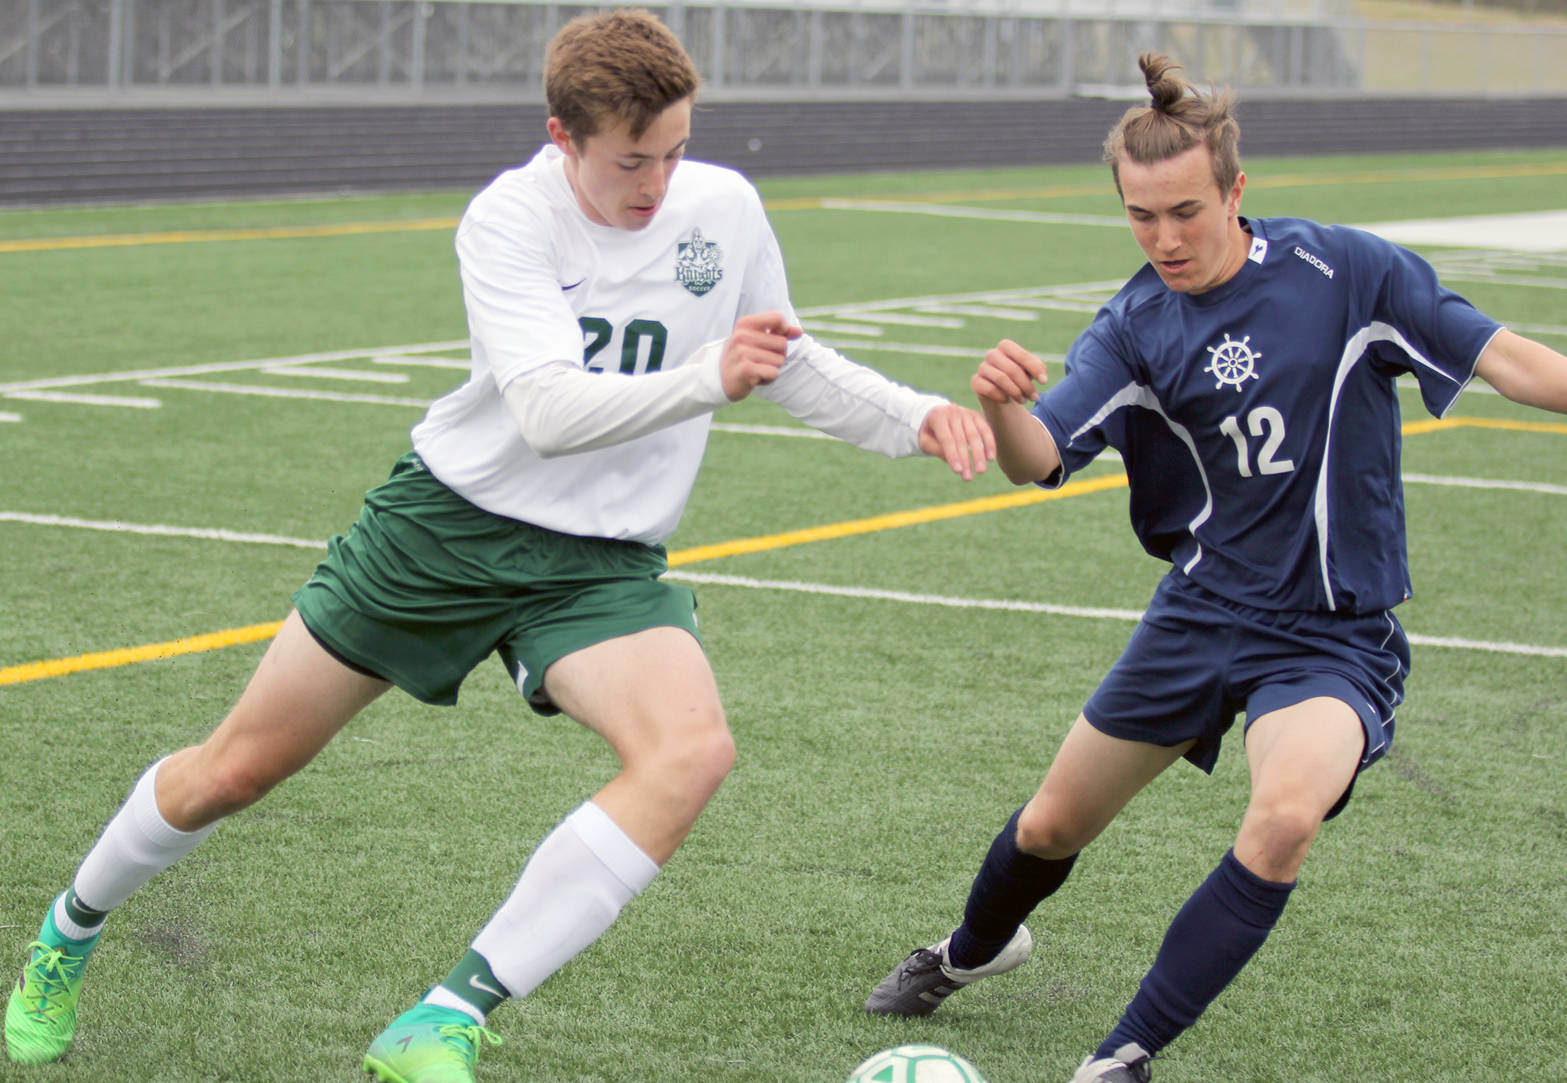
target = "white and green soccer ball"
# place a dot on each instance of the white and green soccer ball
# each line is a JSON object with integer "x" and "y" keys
{"x": 915, "y": 1064}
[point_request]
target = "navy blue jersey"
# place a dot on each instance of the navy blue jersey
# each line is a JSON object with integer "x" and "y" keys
{"x": 1259, "y": 420}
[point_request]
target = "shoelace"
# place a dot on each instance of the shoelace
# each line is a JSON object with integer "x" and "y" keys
{"x": 51, "y": 973}
{"x": 472, "y": 1034}
{"x": 922, "y": 962}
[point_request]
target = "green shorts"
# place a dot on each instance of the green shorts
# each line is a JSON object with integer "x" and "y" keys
{"x": 426, "y": 585}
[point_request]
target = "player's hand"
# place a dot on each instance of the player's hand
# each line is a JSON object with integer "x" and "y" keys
{"x": 961, "y": 436}
{"x": 755, "y": 352}
{"x": 1008, "y": 374}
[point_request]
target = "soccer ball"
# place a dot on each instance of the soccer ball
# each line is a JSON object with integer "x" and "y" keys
{"x": 915, "y": 1064}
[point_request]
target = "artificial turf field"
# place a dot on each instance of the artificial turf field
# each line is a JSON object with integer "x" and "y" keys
{"x": 194, "y": 397}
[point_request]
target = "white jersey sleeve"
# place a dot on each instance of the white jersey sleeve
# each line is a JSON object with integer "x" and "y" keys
{"x": 561, "y": 408}
{"x": 512, "y": 289}
{"x": 827, "y": 391}
{"x": 822, "y": 387}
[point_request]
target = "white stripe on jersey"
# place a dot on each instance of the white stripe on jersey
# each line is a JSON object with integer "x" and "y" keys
{"x": 1138, "y": 395}
{"x": 1354, "y": 351}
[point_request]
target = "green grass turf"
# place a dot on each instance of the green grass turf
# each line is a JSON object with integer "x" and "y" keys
{"x": 882, "y": 742}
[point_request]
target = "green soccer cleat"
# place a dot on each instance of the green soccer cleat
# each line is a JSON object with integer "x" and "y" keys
{"x": 428, "y": 1044}
{"x": 40, "y": 1017}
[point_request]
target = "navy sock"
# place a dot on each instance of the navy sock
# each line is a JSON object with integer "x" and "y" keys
{"x": 1212, "y": 937}
{"x": 1009, "y": 885}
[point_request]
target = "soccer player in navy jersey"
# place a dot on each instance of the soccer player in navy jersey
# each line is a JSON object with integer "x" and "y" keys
{"x": 1246, "y": 375}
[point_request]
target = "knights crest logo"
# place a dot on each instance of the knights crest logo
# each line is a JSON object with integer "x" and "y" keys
{"x": 1233, "y": 362}
{"x": 699, "y": 263}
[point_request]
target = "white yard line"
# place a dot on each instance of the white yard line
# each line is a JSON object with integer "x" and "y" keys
{"x": 119, "y": 526}
{"x": 70, "y": 398}
{"x": 1053, "y": 609}
{"x": 222, "y": 366}
{"x": 319, "y": 373}
{"x": 771, "y": 430}
{"x": 1487, "y": 483}
{"x": 747, "y": 582}
{"x": 990, "y": 214}
{"x": 286, "y": 393}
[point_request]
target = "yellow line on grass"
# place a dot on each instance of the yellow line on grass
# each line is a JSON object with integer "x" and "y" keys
{"x": 60, "y": 667}
{"x": 1416, "y": 428}
{"x": 892, "y": 521}
{"x": 196, "y": 236}
{"x": 798, "y": 203}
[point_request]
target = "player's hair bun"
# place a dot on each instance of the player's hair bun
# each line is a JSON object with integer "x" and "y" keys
{"x": 1164, "y": 86}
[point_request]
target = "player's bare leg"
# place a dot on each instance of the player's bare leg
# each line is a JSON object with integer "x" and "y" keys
{"x": 652, "y": 696}
{"x": 299, "y": 697}
{"x": 1302, "y": 759}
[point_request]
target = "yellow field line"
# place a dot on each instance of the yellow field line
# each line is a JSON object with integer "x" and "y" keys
{"x": 196, "y": 236}
{"x": 1415, "y": 428}
{"x": 980, "y": 195}
{"x": 60, "y": 667}
{"x": 892, "y": 521}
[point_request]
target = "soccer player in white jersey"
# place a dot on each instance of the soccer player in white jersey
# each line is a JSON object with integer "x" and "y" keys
{"x": 1246, "y": 374}
{"x": 615, "y": 298}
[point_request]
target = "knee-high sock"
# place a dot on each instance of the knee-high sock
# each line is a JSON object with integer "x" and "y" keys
{"x": 137, "y": 844}
{"x": 1009, "y": 885}
{"x": 1212, "y": 937}
{"x": 571, "y": 891}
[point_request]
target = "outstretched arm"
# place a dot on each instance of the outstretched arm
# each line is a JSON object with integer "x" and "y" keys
{"x": 1005, "y": 384}
{"x": 1525, "y": 371}
{"x": 855, "y": 403}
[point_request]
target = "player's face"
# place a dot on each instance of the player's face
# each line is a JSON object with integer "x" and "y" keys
{"x": 620, "y": 181}
{"x": 1189, "y": 230}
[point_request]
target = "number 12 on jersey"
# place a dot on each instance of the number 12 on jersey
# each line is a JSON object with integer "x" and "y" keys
{"x": 1266, "y": 423}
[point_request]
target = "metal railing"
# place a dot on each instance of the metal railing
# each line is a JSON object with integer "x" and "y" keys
{"x": 852, "y": 48}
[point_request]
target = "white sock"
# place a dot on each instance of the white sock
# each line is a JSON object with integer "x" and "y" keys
{"x": 443, "y": 997}
{"x": 137, "y": 845}
{"x": 571, "y": 891}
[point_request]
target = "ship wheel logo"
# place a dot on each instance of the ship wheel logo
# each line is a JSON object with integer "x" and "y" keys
{"x": 1233, "y": 362}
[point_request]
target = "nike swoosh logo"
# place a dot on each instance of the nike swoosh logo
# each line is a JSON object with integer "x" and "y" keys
{"x": 573, "y": 286}
{"x": 473, "y": 980}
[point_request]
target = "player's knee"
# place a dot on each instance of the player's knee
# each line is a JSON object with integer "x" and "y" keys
{"x": 697, "y": 754}
{"x": 712, "y": 754}
{"x": 1043, "y": 835}
{"x": 220, "y": 791}
{"x": 1283, "y": 828}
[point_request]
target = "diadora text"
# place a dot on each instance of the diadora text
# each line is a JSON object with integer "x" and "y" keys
{"x": 1315, "y": 261}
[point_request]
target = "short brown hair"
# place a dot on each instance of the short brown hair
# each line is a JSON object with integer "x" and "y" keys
{"x": 615, "y": 67}
{"x": 1178, "y": 119}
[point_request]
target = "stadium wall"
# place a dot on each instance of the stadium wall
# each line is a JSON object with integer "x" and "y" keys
{"x": 132, "y": 154}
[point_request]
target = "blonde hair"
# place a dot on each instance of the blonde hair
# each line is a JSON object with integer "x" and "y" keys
{"x": 1179, "y": 118}
{"x": 615, "y": 67}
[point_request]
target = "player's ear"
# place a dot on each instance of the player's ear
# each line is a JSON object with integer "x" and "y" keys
{"x": 560, "y": 137}
{"x": 1235, "y": 194}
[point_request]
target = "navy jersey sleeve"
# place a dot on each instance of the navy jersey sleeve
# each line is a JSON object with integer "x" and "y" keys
{"x": 1436, "y": 335}
{"x": 1084, "y": 411}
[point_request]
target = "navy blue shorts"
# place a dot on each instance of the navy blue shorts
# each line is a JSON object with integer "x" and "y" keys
{"x": 1197, "y": 659}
